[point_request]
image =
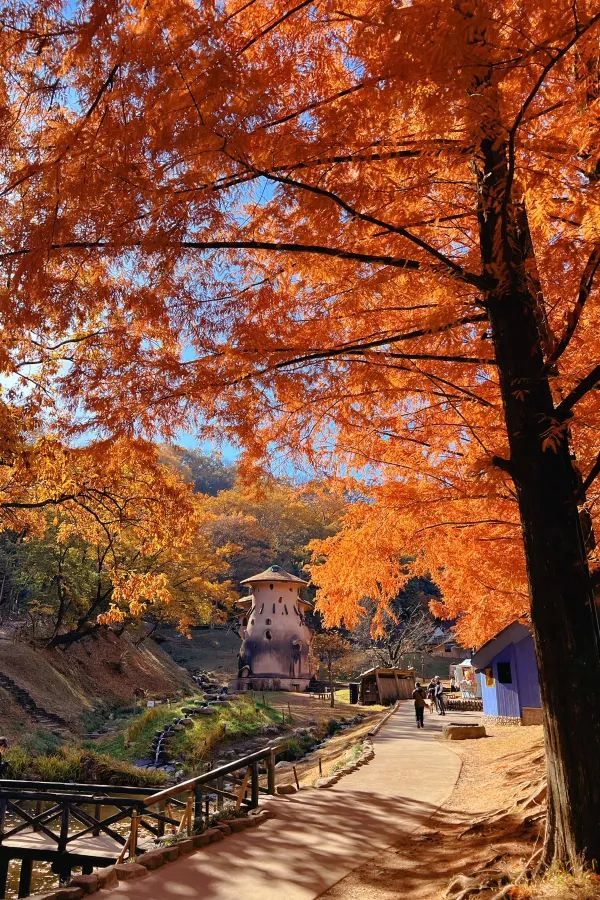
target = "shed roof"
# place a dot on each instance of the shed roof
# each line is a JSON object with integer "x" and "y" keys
{"x": 512, "y": 634}
{"x": 384, "y": 670}
{"x": 274, "y": 573}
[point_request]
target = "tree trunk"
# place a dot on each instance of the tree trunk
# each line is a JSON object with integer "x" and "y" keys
{"x": 563, "y": 613}
{"x": 331, "y": 688}
{"x": 68, "y": 638}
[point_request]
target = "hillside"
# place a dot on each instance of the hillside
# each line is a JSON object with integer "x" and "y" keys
{"x": 67, "y": 690}
{"x": 207, "y": 649}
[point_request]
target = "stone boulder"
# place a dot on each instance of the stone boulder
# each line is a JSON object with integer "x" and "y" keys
{"x": 463, "y": 732}
{"x": 283, "y": 789}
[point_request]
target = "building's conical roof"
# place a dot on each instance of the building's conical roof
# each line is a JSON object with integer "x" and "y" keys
{"x": 274, "y": 573}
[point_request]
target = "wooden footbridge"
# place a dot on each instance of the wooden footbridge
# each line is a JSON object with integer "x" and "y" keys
{"x": 86, "y": 826}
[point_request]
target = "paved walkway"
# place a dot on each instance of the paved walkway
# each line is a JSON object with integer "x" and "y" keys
{"x": 319, "y": 836}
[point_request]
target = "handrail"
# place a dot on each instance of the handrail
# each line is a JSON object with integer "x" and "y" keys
{"x": 189, "y": 785}
{"x": 61, "y": 797}
{"x": 71, "y": 786}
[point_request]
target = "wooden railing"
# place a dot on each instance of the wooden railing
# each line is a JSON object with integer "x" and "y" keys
{"x": 36, "y": 806}
{"x": 239, "y": 782}
{"x": 133, "y": 818}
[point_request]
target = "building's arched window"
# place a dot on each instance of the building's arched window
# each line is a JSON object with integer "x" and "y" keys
{"x": 252, "y": 621}
{"x": 273, "y": 607}
{"x": 271, "y": 586}
{"x": 296, "y": 611}
{"x": 268, "y": 622}
{"x": 268, "y": 635}
{"x": 281, "y": 599}
{"x": 286, "y": 609}
{"x": 245, "y": 621}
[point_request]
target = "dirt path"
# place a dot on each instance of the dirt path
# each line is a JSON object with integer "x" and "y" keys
{"x": 319, "y": 836}
{"x": 482, "y": 827}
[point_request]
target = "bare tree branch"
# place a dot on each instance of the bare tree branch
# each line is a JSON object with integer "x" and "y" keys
{"x": 586, "y": 384}
{"x": 585, "y": 288}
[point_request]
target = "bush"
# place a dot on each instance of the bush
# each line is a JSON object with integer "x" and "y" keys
{"x": 40, "y": 742}
{"x": 17, "y": 760}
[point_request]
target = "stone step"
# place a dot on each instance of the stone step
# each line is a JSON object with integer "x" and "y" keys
{"x": 24, "y": 699}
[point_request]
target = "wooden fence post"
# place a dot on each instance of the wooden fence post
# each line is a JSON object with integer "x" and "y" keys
{"x": 25, "y": 877}
{"x": 271, "y": 772}
{"x": 254, "y": 785}
{"x": 64, "y": 828}
{"x": 97, "y": 815}
{"x": 198, "y": 807}
{"x": 3, "y": 804}
{"x": 133, "y": 841}
{"x": 4, "y": 860}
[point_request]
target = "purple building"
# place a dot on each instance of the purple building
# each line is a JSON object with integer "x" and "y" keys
{"x": 508, "y": 674}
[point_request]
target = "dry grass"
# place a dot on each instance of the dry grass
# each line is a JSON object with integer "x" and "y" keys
{"x": 560, "y": 885}
{"x": 100, "y": 671}
{"x": 489, "y": 822}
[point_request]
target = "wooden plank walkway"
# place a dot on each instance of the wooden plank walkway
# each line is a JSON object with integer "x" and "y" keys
{"x": 101, "y": 846}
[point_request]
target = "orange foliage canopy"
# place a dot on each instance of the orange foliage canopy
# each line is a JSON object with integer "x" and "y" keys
{"x": 267, "y": 217}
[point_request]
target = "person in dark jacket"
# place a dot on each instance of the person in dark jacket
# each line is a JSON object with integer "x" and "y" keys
{"x": 439, "y": 696}
{"x": 419, "y": 699}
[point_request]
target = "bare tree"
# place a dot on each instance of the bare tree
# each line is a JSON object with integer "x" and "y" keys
{"x": 409, "y": 634}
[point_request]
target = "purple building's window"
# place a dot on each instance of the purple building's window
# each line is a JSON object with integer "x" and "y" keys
{"x": 504, "y": 672}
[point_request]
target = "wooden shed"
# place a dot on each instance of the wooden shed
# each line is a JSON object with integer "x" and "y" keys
{"x": 381, "y": 685}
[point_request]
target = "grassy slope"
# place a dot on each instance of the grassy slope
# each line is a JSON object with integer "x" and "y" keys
{"x": 242, "y": 718}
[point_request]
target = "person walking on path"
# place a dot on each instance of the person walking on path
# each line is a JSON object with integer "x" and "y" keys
{"x": 439, "y": 696}
{"x": 419, "y": 698}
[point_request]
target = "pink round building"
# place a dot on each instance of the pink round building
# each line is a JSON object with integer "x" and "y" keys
{"x": 275, "y": 637}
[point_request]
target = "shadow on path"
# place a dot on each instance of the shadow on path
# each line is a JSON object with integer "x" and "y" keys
{"x": 319, "y": 836}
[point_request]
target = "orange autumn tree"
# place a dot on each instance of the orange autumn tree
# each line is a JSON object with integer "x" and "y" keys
{"x": 366, "y": 232}
{"x": 135, "y": 535}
